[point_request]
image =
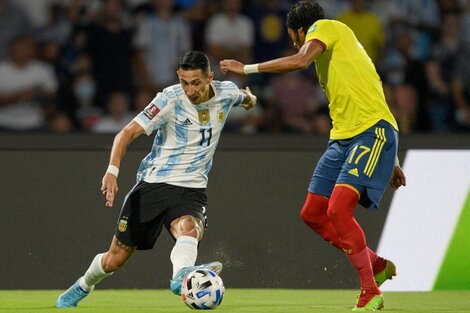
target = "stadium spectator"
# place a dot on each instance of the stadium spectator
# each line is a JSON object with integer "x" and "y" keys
{"x": 366, "y": 26}
{"x": 333, "y": 8}
{"x": 84, "y": 90}
{"x": 402, "y": 76}
{"x": 196, "y": 12}
{"x": 109, "y": 45}
{"x": 27, "y": 87}
{"x": 38, "y": 12}
{"x": 13, "y": 22}
{"x": 270, "y": 36}
{"x": 420, "y": 18}
{"x": 142, "y": 97}
{"x": 60, "y": 122}
{"x": 118, "y": 114}
{"x": 160, "y": 38}
{"x": 304, "y": 114}
{"x": 230, "y": 34}
{"x": 461, "y": 90}
{"x": 440, "y": 70}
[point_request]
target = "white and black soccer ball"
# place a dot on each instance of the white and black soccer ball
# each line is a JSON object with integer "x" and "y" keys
{"x": 202, "y": 289}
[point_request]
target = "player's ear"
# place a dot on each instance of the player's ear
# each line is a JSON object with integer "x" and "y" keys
{"x": 210, "y": 76}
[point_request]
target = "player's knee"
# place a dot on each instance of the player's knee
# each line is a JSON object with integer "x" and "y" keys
{"x": 306, "y": 214}
{"x": 313, "y": 211}
{"x": 338, "y": 217}
{"x": 189, "y": 226}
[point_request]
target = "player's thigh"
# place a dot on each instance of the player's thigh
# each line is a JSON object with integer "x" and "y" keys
{"x": 188, "y": 215}
{"x": 370, "y": 159}
{"x": 142, "y": 216}
{"x": 327, "y": 170}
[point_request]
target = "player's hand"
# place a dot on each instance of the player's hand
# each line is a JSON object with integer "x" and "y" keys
{"x": 109, "y": 188}
{"x": 398, "y": 178}
{"x": 231, "y": 66}
{"x": 252, "y": 102}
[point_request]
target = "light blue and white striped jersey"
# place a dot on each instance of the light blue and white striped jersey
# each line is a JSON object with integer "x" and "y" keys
{"x": 187, "y": 134}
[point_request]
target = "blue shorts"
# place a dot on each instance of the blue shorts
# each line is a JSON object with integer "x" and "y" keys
{"x": 365, "y": 162}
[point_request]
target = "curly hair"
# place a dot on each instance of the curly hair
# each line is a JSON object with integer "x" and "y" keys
{"x": 303, "y": 14}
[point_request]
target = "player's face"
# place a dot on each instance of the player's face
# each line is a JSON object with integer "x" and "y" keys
{"x": 297, "y": 36}
{"x": 196, "y": 84}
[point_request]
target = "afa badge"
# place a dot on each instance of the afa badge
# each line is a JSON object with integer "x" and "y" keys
{"x": 204, "y": 116}
{"x": 122, "y": 227}
{"x": 220, "y": 116}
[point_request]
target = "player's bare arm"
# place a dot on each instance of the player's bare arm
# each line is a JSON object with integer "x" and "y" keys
{"x": 109, "y": 186}
{"x": 249, "y": 100}
{"x": 299, "y": 61}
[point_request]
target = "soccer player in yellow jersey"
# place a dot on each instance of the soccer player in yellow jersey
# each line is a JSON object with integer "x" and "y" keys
{"x": 360, "y": 159}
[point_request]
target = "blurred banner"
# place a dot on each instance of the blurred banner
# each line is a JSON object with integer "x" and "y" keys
{"x": 428, "y": 224}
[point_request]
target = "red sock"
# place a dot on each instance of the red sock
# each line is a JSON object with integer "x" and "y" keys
{"x": 314, "y": 214}
{"x": 341, "y": 213}
{"x": 361, "y": 262}
{"x": 372, "y": 255}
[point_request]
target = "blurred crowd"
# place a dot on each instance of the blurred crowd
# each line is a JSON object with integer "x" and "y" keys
{"x": 92, "y": 65}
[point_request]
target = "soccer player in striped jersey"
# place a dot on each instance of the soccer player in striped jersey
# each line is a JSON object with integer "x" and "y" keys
{"x": 187, "y": 118}
{"x": 360, "y": 159}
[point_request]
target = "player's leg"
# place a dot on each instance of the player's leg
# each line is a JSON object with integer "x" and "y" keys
{"x": 314, "y": 214}
{"x": 102, "y": 266}
{"x": 187, "y": 230}
{"x": 365, "y": 174}
{"x": 186, "y": 221}
{"x": 314, "y": 210}
{"x": 341, "y": 212}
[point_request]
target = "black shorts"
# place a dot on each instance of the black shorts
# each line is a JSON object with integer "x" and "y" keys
{"x": 150, "y": 205}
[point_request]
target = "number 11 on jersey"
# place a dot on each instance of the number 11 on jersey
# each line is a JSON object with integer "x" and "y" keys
{"x": 206, "y": 135}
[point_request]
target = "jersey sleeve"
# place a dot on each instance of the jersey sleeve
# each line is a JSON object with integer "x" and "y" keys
{"x": 324, "y": 32}
{"x": 155, "y": 114}
{"x": 234, "y": 92}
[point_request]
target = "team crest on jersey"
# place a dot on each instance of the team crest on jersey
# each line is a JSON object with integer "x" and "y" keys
{"x": 122, "y": 227}
{"x": 312, "y": 29}
{"x": 151, "y": 111}
{"x": 220, "y": 116}
{"x": 204, "y": 116}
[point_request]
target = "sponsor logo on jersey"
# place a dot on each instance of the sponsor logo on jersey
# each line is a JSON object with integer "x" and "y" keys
{"x": 220, "y": 116}
{"x": 204, "y": 116}
{"x": 186, "y": 122}
{"x": 354, "y": 172}
{"x": 151, "y": 111}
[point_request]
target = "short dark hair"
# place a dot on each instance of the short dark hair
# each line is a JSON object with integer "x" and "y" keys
{"x": 303, "y": 14}
{"x": 194, "y": 60}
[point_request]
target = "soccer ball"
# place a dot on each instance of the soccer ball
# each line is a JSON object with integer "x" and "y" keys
{"x": 202, "y": 289}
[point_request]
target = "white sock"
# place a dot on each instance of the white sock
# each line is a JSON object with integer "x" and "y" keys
{"x": 94, "y": 274}
{"x": 184, "y": 253}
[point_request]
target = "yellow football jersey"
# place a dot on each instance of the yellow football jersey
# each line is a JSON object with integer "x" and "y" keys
{"x": 349, "y": 80}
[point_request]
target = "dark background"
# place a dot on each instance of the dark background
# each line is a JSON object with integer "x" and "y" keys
{"x": 53, "y": 220}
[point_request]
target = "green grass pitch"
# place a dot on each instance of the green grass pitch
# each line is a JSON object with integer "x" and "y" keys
{"x": 235, "y": 300}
